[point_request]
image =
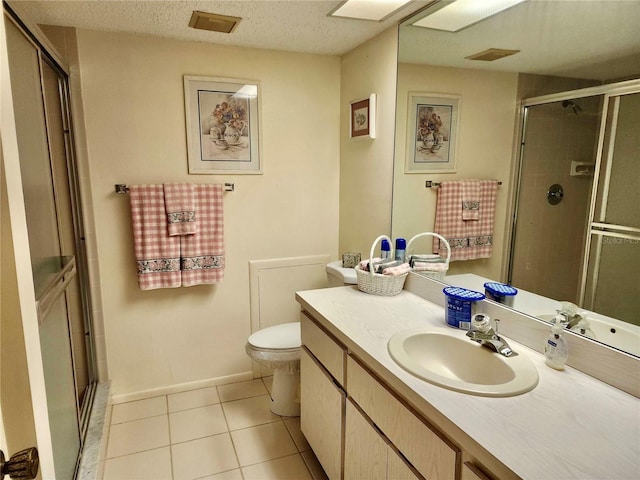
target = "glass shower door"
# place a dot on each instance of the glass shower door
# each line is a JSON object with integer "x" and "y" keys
{"x": 548, "y": 247}
{"x": 57, "y": 256}
{"x": 612, "y": 286}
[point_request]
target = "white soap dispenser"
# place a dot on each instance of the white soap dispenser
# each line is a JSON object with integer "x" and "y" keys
{"x": 556, "y": 349}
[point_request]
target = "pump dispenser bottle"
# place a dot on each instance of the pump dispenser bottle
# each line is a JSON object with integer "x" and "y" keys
{"x": 556, "y": 349}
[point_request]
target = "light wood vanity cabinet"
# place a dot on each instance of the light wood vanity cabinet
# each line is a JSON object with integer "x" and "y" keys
{"x": 322, "y": 398}
{"x": 368, "y": 454}
{"x": 358, "y": 429}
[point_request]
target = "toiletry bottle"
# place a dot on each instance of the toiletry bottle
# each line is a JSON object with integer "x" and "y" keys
{"x": 385, "y": 249}
{"x": 401, "y": 247}
{"x": 556, "y": 349}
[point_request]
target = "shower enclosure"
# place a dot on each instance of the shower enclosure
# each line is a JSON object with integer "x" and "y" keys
{"x": 44, "y": 131}
{"x": 576, "y": 233}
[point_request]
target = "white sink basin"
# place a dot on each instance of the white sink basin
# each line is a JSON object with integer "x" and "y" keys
{"x": 460, "y": 364}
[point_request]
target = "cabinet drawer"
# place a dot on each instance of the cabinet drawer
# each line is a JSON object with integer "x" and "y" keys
{"x": 321, "y": 412}
{"x": 331, "y": 354}
{"x": 430, "y": 454}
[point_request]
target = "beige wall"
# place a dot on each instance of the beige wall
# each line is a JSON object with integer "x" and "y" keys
{"x": 486, "y": 129}
{"x": 132, "y": 89}
{"x": 366, "y": 165}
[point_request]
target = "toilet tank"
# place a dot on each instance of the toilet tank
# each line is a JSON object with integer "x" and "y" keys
{"x": 339, "y": 276}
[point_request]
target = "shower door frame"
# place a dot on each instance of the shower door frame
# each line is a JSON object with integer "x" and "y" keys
{"x": 607, "y": 91}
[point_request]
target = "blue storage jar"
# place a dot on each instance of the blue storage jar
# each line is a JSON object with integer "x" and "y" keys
{"x": 461, "y": 306}
{"x": 500, "y": 292}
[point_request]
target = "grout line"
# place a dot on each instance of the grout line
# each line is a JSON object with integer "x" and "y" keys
{"x": 170, "y": 442}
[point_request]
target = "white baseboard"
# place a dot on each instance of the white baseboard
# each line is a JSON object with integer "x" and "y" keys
{"x": 181, "y": 387}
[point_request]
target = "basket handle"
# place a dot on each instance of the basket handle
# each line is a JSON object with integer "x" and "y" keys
{"x": 440, "y": 237}
{"x": 373, "y": 247}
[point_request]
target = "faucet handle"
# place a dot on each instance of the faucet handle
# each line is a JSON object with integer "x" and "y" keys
{"x": 481, "y": 323}
{"x": 497, "y": 322}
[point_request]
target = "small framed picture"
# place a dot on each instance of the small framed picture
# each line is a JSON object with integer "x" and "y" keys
{"x": 362, "y": 118}
{"x": 222, "y": 125}
{"x": 432, "y": 133}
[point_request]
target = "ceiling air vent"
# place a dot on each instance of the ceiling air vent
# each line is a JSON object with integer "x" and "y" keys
{"x": 492, "y": 54}
{"x": 213, "y": 22}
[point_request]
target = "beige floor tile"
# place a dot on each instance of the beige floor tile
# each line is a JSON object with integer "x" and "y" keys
{"x": 310, "y": 459}
{"x": 138, "y": 436}
{"x": 126, "y": 412}
{"x": 193, "y": 399}
{"x": 237, "y": 391}
{"x": 287, "y": 468}
{"x": 249, "y": 412}
{"x": 268, "y": 382}
{"x": 262, "y": 443}
{"x": 202, "y": 457}
{"x": 230, "y": 475}
{"x": 293, "y": 425}
{"x": 149, "y": 465}
{"x": 196, "y": 423}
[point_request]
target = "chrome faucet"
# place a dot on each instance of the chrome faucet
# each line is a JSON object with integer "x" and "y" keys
{"x": 486, "y": 336}
{"x": 571, "y": 313}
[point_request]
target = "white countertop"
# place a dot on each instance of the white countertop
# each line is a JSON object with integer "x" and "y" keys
{"x": 571, "y": 426}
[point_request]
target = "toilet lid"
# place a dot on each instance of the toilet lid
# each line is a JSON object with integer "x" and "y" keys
{"x": 286, "y": 335}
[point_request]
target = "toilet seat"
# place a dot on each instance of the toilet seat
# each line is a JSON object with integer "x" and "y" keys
{"x": 285, "y": 336}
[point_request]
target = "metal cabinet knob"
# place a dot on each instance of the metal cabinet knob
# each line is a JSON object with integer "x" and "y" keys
{"x": 23, "y": 464}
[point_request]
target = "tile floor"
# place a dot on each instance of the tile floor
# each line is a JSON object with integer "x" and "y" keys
{"x": 217, "y": 433}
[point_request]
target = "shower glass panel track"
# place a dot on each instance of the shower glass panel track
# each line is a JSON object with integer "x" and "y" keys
{"x": 39, "y": 87}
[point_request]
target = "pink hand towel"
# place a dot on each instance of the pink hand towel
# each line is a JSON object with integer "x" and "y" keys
{"x": 202, "y": 254}
{"x": 471, "y": 199}
{"x": 179, "y": 203}
{"x": 468, "y": 240}
{"x": 157, "y": 254}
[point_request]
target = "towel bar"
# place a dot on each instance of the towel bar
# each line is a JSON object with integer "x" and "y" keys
{"x": 429, "y": 184}
{"x": 122, "y": 188}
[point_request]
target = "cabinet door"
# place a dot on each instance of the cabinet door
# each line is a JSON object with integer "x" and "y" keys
{"x": 365, "y": 451}
{"x": 471, "y": 472}
{"x": 321, "y": 407}
{"x": 397, "y": 469}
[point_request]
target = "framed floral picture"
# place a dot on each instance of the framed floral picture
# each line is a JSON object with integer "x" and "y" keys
{"x": 223, "y": 129}
{"x": 362, "y": 118}
{"x": 432, "y": 133}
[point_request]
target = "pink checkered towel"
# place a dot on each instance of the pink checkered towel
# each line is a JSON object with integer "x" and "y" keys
{"x": 179, "y": 204}
{"x": 202, "y": 254}
{"x": 471, "y": 199}
{"x": 157, "y": 254}
{"x": 468, "y": 240}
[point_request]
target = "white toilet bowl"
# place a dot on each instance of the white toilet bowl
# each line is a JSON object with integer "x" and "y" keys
{"x": 278, "y": 347}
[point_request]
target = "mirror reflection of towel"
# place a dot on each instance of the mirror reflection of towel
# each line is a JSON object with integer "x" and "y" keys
{"x": 471, "y": 199}
{"x": 468, "y": 240}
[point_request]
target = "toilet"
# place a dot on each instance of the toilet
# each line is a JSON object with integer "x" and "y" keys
{"x": 278, "y": 347}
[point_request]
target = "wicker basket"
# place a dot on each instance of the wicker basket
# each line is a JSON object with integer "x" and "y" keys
{"x": 436, "y": 274}
{"x": 376, "y": 283}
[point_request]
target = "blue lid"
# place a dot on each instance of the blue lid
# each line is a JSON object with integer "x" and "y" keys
{"x": 401, "y": 244}
{"x": 500, "y": 289}
{"x": 463, "y": 294}
{"x": 385, "y": 245}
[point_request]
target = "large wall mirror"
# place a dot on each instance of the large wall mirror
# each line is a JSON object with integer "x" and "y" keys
{"x": 564, "y": 110}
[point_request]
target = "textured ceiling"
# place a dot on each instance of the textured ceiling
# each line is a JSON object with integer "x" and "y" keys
{"x": 290, "y": 25}
{"x": 597, "y": 39}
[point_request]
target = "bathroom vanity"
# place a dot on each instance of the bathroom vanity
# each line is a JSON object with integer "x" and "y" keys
{"x": 367, "y": 417}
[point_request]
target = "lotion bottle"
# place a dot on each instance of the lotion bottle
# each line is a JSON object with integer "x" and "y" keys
{"x": 556, "y": 349}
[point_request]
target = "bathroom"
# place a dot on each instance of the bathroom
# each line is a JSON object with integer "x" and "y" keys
{"x": 133, "y": 132}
